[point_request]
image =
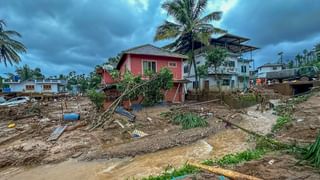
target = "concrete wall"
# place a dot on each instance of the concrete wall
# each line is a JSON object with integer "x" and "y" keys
{"x": 262, "y": 71}
{"x": 231, "y": 73}
{"x": 21, "y": 87}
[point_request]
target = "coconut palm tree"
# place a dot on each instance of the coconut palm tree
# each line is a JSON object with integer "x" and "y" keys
{"x": 9, "y": 48}
{"x": 188, "y": 26}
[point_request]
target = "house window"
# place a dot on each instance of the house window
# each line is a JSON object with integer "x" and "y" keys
{"x": 186, "y": 69}
{"x": 243, "y": 69}
{"x": 29, "y": 87}
{"x": 47, "y": 87}
{"x": 232, "y": 64}
{"x": 149, "y": 66}
{"x": 194, "y": 85}
{"x": 172, "y": 64}
{"x": 226, "y": 82}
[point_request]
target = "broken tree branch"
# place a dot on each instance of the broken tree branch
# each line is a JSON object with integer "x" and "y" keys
{"x": 106, "y": 116}
{"x": 270, "y": 140}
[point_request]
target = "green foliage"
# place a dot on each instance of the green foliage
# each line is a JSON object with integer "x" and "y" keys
{"x": 281, "y": 121}
{"x": 171, "y": 173}
{"x": 203, "y": 71}
{"x": 187, "y": 120}
{"x": 97, "y": 98}
{"x": 9, "y": 47}
{"x": 26, "y": 73}
{"x": 237, "y": 158}
{"x": 152, "y": 91}
{"x": 188, "y": 26}
{"x": 83, "y": 81}
{"x": 113, "y": 61}
{"x": 312, "y": 155}
{"x": 215, "y": 57}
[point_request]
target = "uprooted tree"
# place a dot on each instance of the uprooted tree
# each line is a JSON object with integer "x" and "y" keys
{"x": 150, "y": 86}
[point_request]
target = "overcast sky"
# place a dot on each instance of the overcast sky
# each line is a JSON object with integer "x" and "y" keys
{"x": 66, "y": 35}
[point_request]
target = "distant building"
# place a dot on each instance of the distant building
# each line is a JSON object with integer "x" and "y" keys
{"x": 36, "y": 86}
{"x": 264, "y": 69}
{"x": 233, "y": 74}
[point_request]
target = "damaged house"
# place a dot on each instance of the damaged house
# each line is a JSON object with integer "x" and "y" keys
{"x": 233, "y": 74}
{"x": 144, "y": 58}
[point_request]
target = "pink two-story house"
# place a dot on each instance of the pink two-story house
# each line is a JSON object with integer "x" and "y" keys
{"x": 151, "y": 58}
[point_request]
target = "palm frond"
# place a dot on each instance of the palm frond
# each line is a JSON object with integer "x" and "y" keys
{"x": 214, "y": 16}
{"x": 11, "y": 33}
{"x": 167, "y": 30}
{"x": 199, "y": 8}
{"x": 9, "y": 47}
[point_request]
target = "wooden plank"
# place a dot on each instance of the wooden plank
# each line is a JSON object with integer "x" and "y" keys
{"x": 57, "y": 133}
{"x": 225, "y": 172}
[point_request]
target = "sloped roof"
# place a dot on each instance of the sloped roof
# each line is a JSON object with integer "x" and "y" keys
{"x": 149, "y": 49}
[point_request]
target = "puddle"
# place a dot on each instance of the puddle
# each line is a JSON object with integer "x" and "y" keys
{"x": 224, "y": 142}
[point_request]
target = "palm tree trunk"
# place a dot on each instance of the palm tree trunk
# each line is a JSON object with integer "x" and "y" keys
{"x": 195, "y": 68}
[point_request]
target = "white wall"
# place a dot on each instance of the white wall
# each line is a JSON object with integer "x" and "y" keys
{"x": 231, "y": 73}
{"x": 262, "y": 71}
{"x": 21, "y": 87}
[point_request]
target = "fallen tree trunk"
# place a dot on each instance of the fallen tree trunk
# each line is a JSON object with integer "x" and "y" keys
{"x": 278, "y": 144}
{"x": 225, "y": 172}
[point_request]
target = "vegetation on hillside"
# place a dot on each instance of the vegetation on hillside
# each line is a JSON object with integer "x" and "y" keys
{"x": 9, "y": 47}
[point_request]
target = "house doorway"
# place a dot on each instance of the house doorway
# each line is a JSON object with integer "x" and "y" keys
{"x": 206, "y": 85}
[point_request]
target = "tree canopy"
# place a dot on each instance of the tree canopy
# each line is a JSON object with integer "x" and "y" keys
{"x": 9, "y": 47}
{"x": 189, "y": 25}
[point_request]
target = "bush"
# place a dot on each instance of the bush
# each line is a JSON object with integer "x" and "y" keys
{"x": 97, "y": 98}
{"x": 189, "y": 120}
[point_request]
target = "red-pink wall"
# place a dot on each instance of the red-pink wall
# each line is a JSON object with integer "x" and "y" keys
{"x": 135, "y": 63}
{"x": 106, "y": 78}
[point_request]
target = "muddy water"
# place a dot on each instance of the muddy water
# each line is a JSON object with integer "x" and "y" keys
{"x": 224, "y": 142}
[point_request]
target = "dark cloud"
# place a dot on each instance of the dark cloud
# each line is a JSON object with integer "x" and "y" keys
{"x": 66, "y": 35}
{"x": 275, "y": 25}
{"x": 73, "y": 33}
{"x": 274, "y": 21}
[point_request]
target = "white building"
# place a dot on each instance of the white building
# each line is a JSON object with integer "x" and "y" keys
{"x": 233, "y": 74}
{"x": 262, "y": 70}
{"x": 37, "y": 86}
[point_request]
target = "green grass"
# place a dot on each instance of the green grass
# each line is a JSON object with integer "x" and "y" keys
{"x": 187, "y": 120}
{"x": 312, "y": 154}
{"x": 281, "y": 122}
{"x": 167, "y": 174}
{"x": 232, "y": 159}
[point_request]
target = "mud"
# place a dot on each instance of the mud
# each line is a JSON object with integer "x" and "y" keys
{"x": 283, "y": 167}
{"x": 302, "y": 131}
{"x": 306, "y": 124}
{"x": 138, "y": 163}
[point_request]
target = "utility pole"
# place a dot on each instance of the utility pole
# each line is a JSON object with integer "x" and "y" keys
{"x": 281, "y": 57}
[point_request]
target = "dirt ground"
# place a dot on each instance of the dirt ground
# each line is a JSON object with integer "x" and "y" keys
{"x": 27, "y": 143}
{"x": 302, "y": 130}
